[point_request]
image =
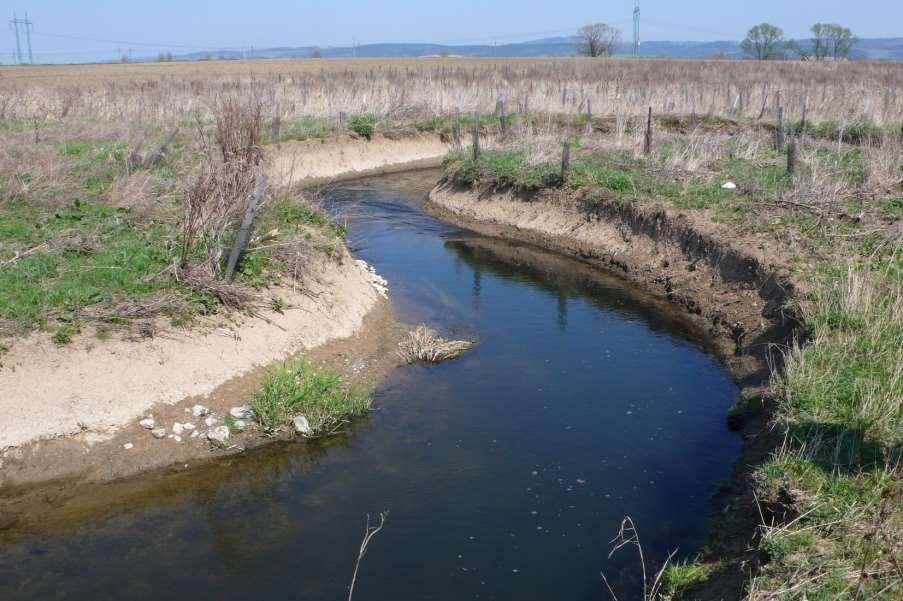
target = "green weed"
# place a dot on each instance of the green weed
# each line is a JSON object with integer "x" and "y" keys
{"x": 300, "y": 389}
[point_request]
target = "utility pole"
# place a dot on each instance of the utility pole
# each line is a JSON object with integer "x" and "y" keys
{"x": 27, "y": 26}
{"x": 636, "y": 29}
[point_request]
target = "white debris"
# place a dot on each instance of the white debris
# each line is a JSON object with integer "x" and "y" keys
{"x": 729, "y": 186}
{"x": 147, "y": 423}
{"x": 177, "y": 438}
{"x": 177, "y": 428}
{"x": 188, "y": 426}
{"x": 199, "y": 411}
{"x": 159, "y": 432}
{"x": 210, "y": 421}
{"x": 244, "y": 412}
{"x": 194, "y": 434}
{"x": 240, "y": 424}
{"x": 302, "y": 426}
{"x": 128, "y": 446}
{"x": 379, "y": 283}
{"x": 219, "y": 435}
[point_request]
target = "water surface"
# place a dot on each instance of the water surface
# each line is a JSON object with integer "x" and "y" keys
{"x": 505, "y": 473}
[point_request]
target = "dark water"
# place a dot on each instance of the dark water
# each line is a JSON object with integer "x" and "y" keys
{"x": 505, "y": 473}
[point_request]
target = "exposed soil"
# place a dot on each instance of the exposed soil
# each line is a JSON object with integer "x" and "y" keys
{"x": 318, "y": 161}
{"x": 733, "y": 287}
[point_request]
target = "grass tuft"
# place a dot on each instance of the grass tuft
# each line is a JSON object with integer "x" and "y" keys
{"x": 300, "y": 389}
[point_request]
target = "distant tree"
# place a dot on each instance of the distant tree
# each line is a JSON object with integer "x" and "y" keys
{"x": 765, "y": 42}
{"x": 832, "y": 40}
{"x": 316, "y": 54}
{"x": 598, "y": 39}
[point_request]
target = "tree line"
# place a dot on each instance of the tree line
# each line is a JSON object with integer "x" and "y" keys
{"x": 763, "y": 42}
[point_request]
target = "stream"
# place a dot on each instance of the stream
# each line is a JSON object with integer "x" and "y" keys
{"x": 505, "y": 473}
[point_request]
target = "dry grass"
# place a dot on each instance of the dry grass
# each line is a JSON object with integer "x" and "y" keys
{"x": 844, "y": 93}
{"x": 425, "y": 344}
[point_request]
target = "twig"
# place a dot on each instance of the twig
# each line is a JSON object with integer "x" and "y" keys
{"x": 369, "y": 533}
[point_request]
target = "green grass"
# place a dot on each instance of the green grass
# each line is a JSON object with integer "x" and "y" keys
{"x": 680, "y": 576}
{"x": 841, "y": 404}
{"x": 283, "y": 221}
{"x": 304, "y": 128}
{"x": 105, "y": 257}
{"x": 300, "y": 389}
{"x": 363, "y": 125}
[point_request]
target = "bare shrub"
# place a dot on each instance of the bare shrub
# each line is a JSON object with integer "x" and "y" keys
{"x": 217, "y": 196}
{"x": 424, "y": 344}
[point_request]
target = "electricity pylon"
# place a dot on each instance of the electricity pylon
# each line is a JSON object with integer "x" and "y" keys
{"x": 27, "y": 26}
{"x": 636, "y": 28}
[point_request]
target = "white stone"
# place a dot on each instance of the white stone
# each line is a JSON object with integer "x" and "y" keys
{"x": 177, "y": 438}
{"x": 219, "y": 434}
{"x": 199, "y": 411}
{"x": 240, "y": 424}
{"x": 194, "y": 434}
{"x": 302, "y": 426}
{"x": 210, "y": 421}
{"x": 147, "y": 423}
{"x": 159, "y": 432}
{"x": 188, "y": 426}
{"x": 128, "y": 446}
{"x": 177, "y": 428}
{"x": 244, "y": 412}
{"x": 729, "y": 186}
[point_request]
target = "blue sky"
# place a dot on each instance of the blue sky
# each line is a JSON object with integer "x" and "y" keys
{"x": 209, "y": 24}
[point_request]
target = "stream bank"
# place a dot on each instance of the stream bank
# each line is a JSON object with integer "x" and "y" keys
{"x": 732, "y": 288}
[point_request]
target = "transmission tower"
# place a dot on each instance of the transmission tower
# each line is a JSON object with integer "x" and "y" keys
{"x": 636, "y": 28}
{"x": 27, "y": 26}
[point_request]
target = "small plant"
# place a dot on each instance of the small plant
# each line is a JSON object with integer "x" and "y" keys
{"x": 64, "y": 333}
{"x": 680, "y": 576}
{"x": 363, "y": 125}
{"x": 300, "y": 389}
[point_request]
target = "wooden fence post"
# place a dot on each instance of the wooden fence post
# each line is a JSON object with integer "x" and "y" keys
{"x": 791, "y": 156}
{"x": 500, "y": 111}
{"x": 244, "y": 232}
{"x": 476, "y": 140}
{"x": 779, "y": 131}
{"x": 565, "y": 159}
{"x": 456, "y": 130}
{"x": 647, "y": 142}
{"x": 589, "y": 116}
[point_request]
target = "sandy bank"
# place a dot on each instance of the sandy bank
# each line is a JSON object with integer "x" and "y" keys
{"x": 317, "y": 161}
{"x": 91, "y": 387}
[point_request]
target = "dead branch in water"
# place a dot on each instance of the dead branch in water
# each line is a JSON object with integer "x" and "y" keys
{"x": 424, "y": 344}
{"x": 369, "y": 533}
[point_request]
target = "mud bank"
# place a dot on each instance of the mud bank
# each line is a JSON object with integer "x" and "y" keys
{"x": 315, "y": 162}
{"x": 734, "y": 288}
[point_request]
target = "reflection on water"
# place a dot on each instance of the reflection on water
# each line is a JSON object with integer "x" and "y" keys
{"x": 505, "y": 472}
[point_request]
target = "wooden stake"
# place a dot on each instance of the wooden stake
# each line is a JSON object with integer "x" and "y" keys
{"x": 476, "y": 141}
{"x": 791, "y": 156}
{"x": 647, "y": 143}
{"x": 779, "y": 131}
{"x": 244, "y": 232}
{"x": 565, "y": 160}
